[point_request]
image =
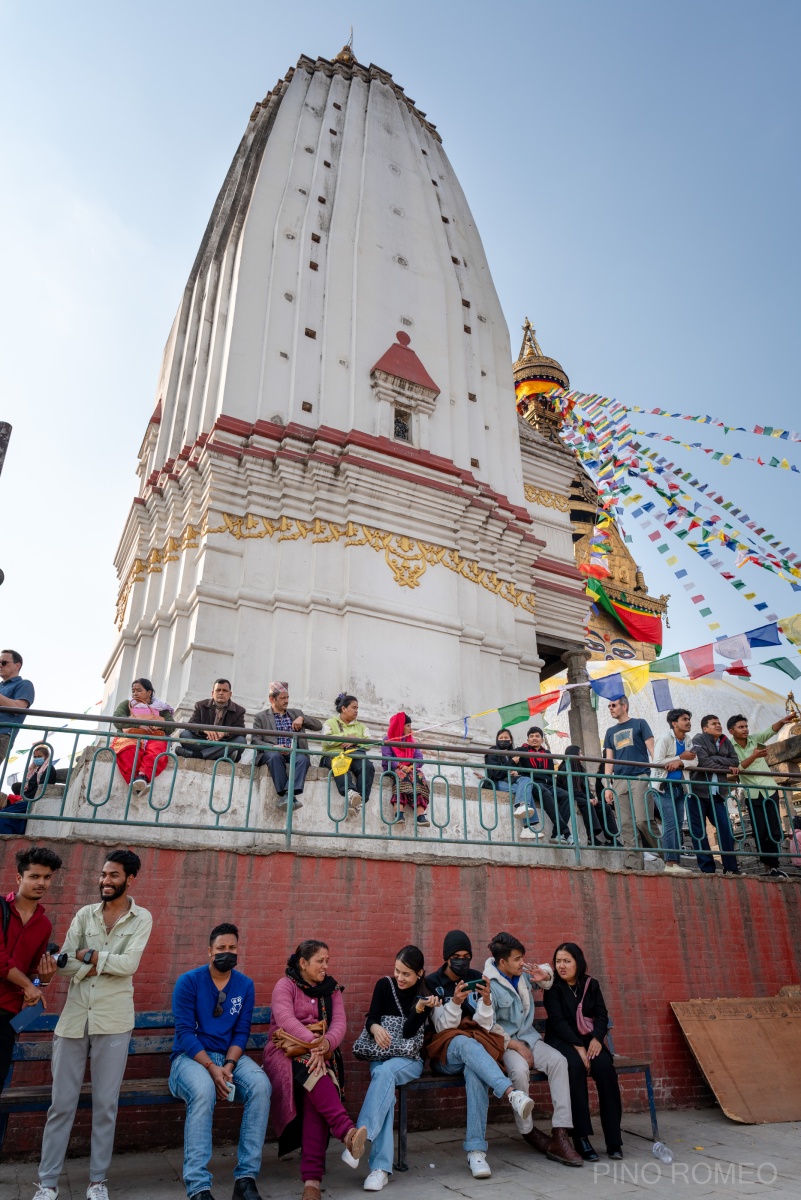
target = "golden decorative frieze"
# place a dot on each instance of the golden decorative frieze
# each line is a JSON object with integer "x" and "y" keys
{"x": 546, "y": 499}
{"x": 408, "y": 558}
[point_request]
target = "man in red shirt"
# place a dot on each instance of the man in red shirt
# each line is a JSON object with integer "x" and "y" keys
{"x": 24, "y": 935}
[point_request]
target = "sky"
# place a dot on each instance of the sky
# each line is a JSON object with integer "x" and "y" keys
{"x": 633, "y": 169}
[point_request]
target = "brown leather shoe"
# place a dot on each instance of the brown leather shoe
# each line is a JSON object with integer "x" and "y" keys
{"x": 311, "y": 1190}
{"x": 561, "y": 1150}
{"x": 537, "y": 1140}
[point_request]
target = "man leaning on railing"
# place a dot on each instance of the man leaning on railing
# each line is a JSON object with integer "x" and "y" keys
{"x": 762, "y": 795}
{"x": 279, "y": 722}
{"x": 222, "y": 711}
{"x": 631, "y": 744}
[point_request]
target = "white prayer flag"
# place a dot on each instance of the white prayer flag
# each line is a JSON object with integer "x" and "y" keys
{"x": 734, "y": 647}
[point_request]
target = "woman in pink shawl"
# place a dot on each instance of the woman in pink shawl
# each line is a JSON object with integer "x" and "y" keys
{"x": 138, "y": 757}
{"x": 306, "y": 1105}
{"x": 410, "y": 786}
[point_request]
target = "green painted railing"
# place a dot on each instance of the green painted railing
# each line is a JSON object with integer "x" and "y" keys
{"x": 568, "y": 810}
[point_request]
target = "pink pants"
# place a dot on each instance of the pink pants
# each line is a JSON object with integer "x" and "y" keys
{"x": 322, "y": 1113}
{"x": 148, "y": 752}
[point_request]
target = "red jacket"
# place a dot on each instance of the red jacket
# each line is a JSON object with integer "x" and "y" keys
{"x": 22, "y": 948}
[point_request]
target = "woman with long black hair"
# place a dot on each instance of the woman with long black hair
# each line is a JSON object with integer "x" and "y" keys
{"x": 392, "y": 1042}
{"x": 577, "y": 1025}
{"x": 304, "y": 1065}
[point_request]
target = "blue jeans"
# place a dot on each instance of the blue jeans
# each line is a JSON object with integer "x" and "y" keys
{"x": 673, "y": 798}
{"x": 378, "y": 1109}
{"x": 481, "y": 1072}
{"x": 193, "y": 1084}
{"x": 278, "y": 766}
{"x": 522, "y": 790}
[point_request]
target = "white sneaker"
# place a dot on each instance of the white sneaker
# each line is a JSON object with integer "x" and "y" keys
{"x": 672, "y": 868}
{"x": 354, "y": 801}
{"x": 97, "y": 1191}
{"x": 347, "y": 1159}
{"x": 522, "y": 1104}
{"x": 477, "y": 1162}
{"x": 527, "y": 834}
{"x": 523, "y": 810}
{"x": 650, "y": 857}
{"x": 45, "y": 1193}
{"x": 139, "y": 786}
{"x": 375, "y": 1181}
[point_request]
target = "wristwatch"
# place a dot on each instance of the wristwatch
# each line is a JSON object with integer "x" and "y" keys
{"x": 87, "y": 958}
{"x": 231, "y": 1061}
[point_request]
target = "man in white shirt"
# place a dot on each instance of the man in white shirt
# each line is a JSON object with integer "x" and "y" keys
{"x": 104, "y": 945}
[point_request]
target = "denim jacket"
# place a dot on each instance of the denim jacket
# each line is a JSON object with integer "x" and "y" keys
{"x": 514, "y": 1007}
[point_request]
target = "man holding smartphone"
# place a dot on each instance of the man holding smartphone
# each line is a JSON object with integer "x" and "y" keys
{"x": 467, "y": 1039}
{"x": 104, "y": 946}
{"x": 213, "y": 1009}
{"x": 24, "y": 934}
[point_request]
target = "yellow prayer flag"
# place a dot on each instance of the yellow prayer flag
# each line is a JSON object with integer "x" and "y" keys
{"x": 726, "y": 459}
{"x": 714, "y": 625}
{"x": 791, "y": 628}
{"x": 635, "y": 679}
{"x": 784, "y": 465}
{"x": 671, "y": 562}
{"x": 749, "y": 596}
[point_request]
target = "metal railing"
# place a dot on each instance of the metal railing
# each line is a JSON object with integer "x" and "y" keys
{"x": 571, "y": 809}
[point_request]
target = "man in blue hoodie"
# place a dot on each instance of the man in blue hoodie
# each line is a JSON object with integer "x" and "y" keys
{"x": 512, "y": 982}
{"x": 213, "y": 1009}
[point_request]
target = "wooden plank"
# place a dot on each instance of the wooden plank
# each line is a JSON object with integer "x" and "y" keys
{"x": 750, "y": 1053}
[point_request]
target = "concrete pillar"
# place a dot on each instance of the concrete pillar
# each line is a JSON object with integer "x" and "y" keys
{"x": 582, "y": 716}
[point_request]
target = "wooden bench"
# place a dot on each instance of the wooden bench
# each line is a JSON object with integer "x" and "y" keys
{"x": 133, "y": 1093}
{"x": 429, "y": 1081}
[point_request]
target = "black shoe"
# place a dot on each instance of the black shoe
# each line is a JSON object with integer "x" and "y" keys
{"x": 204, "y": 1195}
{"x": 775, "y": 873}
{"x": 245, "y": 1189}
{"x": 584, "y": 1148}
{"x": 615, "y": 1152}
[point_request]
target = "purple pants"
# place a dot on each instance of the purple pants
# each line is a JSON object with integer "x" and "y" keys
{"x": 322, "y": 1112}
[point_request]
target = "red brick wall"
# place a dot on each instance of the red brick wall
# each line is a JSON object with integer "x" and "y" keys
{"x": 648, "y": 939}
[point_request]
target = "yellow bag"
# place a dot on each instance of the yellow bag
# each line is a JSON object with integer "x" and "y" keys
{"x": 341, "y": 764}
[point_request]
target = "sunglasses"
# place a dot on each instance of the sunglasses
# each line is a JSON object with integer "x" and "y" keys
{"x": 218, "y": 1008}
{"x": 6, "y": 662}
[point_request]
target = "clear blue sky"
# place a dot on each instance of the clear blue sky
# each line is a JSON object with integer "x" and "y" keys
{"x": 633, "y": 168}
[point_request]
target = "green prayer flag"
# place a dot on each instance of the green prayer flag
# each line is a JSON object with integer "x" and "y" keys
{"x": 718, "y": 454}
{"x": 706, "y": 612}
{"x": 513, "y": 714}
{"x": 665, "y": 666}
{"x": 784, "y": 664}
{"x": 774, "y": 462}
{"x": 739, "y": 584}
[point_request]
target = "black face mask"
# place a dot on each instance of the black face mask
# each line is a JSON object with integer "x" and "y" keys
{"x": 459, "y": 966}
{"x": 224, "y": 962}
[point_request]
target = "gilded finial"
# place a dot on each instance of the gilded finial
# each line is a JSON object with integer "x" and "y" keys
{"x": 346, "y": 54}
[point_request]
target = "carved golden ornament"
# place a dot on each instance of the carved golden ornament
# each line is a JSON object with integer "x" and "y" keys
{"x": 408, "y": 558}
{"x": 546, "y": 499}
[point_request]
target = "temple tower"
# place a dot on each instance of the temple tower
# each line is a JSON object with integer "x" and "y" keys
{"x": 331, "y": 484}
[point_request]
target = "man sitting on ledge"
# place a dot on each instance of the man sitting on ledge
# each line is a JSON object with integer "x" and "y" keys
{"x": 219, "y": 710}
{"x": 279, "y": 721}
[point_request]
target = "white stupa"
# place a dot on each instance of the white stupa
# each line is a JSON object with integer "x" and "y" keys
{"x": 331, "y": 484}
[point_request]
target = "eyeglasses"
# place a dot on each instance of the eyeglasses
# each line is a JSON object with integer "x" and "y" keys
{"x": 218, "y": 1008}
{"x": 6, "y": 662}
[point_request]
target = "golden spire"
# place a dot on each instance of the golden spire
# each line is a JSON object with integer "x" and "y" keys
{"x": 530, "y": 347}
{"x": 346, "y": 54}
{"x": 533, "y": 365}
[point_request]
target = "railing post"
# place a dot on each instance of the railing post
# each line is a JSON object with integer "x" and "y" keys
{"x": 290, "y": 790}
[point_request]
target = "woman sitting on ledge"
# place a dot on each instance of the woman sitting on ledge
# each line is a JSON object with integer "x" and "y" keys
{"x": 411, "y": 789}
{"x": 577, "y": 1025}
{"x": 357, "y": 781}
{"x": 40, "y": 774}
{"x": 138, "y": 758}
{"x": 304, "y": 1066}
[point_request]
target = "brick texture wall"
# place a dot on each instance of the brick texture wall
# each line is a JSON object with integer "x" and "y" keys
{"x": 648, "y": 939}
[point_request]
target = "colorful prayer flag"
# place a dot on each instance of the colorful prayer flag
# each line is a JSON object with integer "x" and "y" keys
{"x": 699, "y": 661}
{"x": 784, "y": 664}
{"x": 513, "y": 714}
{"x": 734, "y": 647}
{"x": 610, "y": 688}
{"x": 766, "y": 635}
{"x": 666, "y": 666}
{"x": 662, "y": 697}
{"x": 644, "y": 626}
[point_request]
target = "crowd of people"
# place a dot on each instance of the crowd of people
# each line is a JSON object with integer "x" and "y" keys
{"x": 641, "y": 780}
{"x": 479, "y": 1023}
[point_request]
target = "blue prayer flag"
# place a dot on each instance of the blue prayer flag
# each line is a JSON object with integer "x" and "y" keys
{"x": 766, "y": 635}
{"x": 662, "y": 697}
{"x": 610, "y": 688}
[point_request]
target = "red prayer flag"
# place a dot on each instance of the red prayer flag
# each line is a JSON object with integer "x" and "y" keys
{"x": 738, "y": 668}
{"x": 699, "y": 661}
{"x": 538, "y": 704}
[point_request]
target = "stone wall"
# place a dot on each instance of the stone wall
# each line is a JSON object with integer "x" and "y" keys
{"x": 649, "y": 939}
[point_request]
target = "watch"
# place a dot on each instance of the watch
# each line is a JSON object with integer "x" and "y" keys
{"x": 87, "y": 958}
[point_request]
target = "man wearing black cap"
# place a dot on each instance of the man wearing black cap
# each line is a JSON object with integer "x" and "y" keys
{"x": 467, "y": 1039}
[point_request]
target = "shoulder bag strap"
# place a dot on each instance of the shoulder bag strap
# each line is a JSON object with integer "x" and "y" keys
{"x": 395, "y": 996}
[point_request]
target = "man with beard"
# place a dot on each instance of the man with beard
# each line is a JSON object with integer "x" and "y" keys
{"x": 104, "y": 945}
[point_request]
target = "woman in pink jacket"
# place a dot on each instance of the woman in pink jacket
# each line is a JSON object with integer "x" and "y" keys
{"x": 307, "y": 1086}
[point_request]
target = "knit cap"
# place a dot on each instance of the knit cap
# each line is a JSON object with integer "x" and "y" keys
{"x": 455, "y": 941}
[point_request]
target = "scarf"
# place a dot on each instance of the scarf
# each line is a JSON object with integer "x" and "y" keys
{"x": 33, "y": 770}
{"x": 317, "y": 991}
{"x": 395, "y": 734}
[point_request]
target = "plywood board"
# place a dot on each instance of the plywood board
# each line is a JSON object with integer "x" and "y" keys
{"x": 750, "y": 1053}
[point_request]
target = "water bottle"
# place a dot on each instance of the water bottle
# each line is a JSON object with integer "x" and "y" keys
{"x": 662, "y": 1152}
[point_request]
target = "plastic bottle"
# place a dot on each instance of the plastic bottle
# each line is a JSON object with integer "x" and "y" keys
{"x": 662, "y": 1152}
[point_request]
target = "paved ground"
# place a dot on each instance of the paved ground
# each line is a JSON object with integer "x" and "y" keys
{"x": 712, "y": 1157}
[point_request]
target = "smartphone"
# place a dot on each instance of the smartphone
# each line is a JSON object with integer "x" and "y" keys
{"x": 231, "y": 1090}
{"x": 472, "y": 984}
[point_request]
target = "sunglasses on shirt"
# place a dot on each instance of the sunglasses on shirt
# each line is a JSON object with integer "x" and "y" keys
{"x": 218, "y": 1008}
